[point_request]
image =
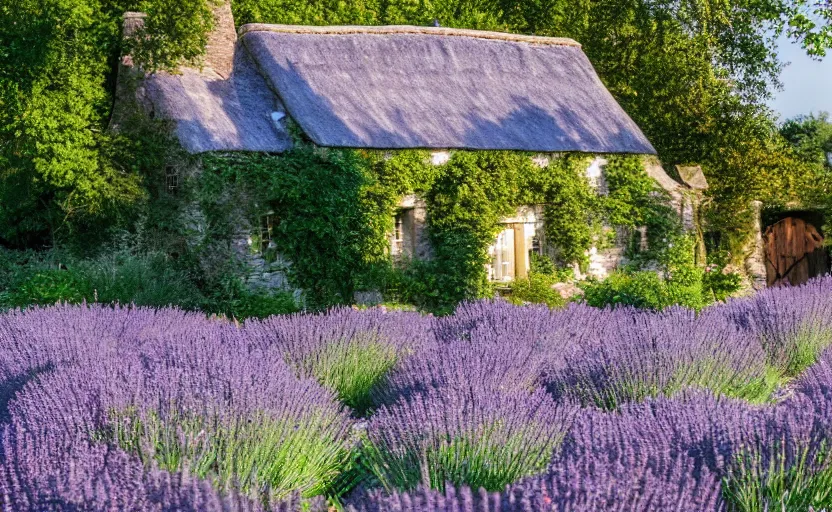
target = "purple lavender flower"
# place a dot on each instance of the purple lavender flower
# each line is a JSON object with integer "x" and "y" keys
{"x": 194, "y": 398}
{"x": 633, "y": 355}
{"x": 476, "y": 437}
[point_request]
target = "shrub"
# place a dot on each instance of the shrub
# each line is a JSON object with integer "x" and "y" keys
{"x": 643, "y": 289}
{"x": 678, "y": 282}
{"x": 485, "y": 346}
{"x": 781, "y": 481}
{"x": 635, "y": 355}
{"x": 151, "y": 279}
{"x": 536, "y": 289}
{"x": 177, "y": 392}
{"x": 48, "y": 286}
{"x": 348, "y": 351}
{"x": 260, "y": 304}
{"x": 719, "y": 284}
{"x": 802, "y": 348}
{"x": 793, "y": 324}
{"x": 124, "y": 408}
{"x": 256, "y": 453}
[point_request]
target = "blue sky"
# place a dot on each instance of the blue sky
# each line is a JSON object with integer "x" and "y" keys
{"x": 807, "y": 83}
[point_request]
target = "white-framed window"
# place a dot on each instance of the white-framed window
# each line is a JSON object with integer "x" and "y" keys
{"x": 398, "y": 235}
{"x": 511, "y": 253}
{"x": 502, "y": 257}
{"x": 267, "y": 223}
{"x": 172, "y": 180}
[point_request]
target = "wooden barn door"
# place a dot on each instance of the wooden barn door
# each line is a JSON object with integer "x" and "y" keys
{"x": 794, "y": 252}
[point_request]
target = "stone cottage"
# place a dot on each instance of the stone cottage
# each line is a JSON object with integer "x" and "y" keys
{"x": 400, "y": 87}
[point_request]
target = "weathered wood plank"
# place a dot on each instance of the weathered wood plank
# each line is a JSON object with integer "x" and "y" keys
{"x": 794, "y": 252}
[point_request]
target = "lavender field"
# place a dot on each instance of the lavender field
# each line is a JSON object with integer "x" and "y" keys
{"x": 497, "y": 408}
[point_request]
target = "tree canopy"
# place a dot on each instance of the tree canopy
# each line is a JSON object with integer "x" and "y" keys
{"x": 694, "y": 74}
{"x": 58, "y": 164}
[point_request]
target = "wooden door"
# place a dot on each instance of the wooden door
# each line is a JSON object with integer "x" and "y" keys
{"x": 794, "y": 252}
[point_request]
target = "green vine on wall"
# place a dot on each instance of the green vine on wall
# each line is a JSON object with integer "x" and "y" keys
{"x": 334, "y": 209}
{"x": 571, "y": 207}
{"x": 324, "y": 221}
{"x": 633, "y": 200}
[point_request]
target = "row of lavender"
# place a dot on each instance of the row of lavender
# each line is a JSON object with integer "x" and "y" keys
{"x": 575, "y": 410}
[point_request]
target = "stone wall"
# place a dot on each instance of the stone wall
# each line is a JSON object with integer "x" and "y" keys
{"x": 261, "y": 272}
{"x": 755, "y": 256}
{"x": 415, "y": 243}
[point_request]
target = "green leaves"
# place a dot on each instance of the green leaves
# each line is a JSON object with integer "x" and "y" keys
{"x": 324, "y": 224}
{"x": 258, "y": 454}
{"x": 174, "y": 31}
{"x": 59, "y": 168}
{"x": 351, "y": 368}
{"x": 570, "y": 207}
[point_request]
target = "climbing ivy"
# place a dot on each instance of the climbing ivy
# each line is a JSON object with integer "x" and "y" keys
{"x": 571, "y": 207}
{"x": 325, "y": 221}
{"x": 333, "y": 211}
{"x": 634, "y": 200}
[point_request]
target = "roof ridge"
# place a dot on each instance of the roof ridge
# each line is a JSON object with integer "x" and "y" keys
{"x": 406, "y": 29}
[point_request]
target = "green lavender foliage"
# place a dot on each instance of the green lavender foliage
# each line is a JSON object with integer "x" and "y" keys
{"x": 460, "y": 460}
{"x": 802, "y": 482}
{"x": 258, "y": 454}
{"x": 752, "y": 385}
{"x": 792, "y": 353}
{"x": 351, "y": 368}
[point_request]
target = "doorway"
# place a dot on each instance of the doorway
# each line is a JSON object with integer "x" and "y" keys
{"x": 794, "y": 252}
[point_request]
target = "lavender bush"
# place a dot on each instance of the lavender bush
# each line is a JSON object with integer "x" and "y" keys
{"x": 794, "y": 325}
{"x": 198, "y": 400}
{"x": 790, "y": 465}
{"x": 479, "y": 437}
{"x": 680, "y": 491}
{"x": 633, "y": 355}
{"x": 497, "y": 407}
{"x": 347, "y": 351}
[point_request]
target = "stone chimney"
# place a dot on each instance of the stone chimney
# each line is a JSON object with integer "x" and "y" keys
{"x": 219, "y": 58}
{"x": 219, "y": 52}
{"x": 128, "y": 93}
{"x": 133, "y": 21}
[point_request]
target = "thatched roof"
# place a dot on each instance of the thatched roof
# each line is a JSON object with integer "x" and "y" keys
{"x": 420, "y": 87}
{"x": 216, "y": 114}
{"x": 395, "y": 88}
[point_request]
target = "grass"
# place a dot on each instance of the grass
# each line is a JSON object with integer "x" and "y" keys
{"x": 351, "y": 368}
{"x": 803, "y": 485}
{"x": 262, "y": 456}
{"x": 797, "y": 351}
{"x": 488, "y": 459}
